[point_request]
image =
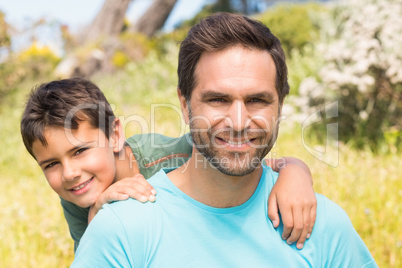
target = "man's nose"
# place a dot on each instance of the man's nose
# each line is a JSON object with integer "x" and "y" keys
{"x": 238, "y": 116}
{"x": 71, "y": 171}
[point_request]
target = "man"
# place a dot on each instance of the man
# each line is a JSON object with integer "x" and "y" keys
{"x": 210, "y": 212}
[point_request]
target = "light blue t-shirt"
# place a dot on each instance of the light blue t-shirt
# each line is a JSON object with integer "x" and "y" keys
{"x": 178, "y": 231}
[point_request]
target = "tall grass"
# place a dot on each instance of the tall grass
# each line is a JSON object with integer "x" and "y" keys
{"x": 33, "y": 231}
{"x": 367, "y": 186}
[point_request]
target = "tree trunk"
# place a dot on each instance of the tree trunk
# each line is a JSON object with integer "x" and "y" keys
{"x": 244, "y": 7}
{"x": 154, "y": 18}
{"x": 109, "y": 20}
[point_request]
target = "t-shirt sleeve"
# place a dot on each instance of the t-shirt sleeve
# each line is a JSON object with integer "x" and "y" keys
{"x": 77, "y": 220}
{"x": 154, "y": 152}
{"x": 343, "y": 246}
{"x": 104, "y": 244}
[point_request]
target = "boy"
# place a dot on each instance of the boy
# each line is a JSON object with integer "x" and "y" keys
{"x": 69, "y": 128}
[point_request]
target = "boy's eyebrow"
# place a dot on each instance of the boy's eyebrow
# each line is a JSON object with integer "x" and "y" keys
{"x": 46, "y": 161}
{"x": 79, "y": 146}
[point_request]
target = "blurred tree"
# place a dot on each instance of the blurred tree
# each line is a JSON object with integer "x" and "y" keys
{"x": 5, "y": 71}
{"x": 231, "y": 6}
{"x": 362, "y": 69}
{"x": 221, "y": 6}
{"x": 154, "y": 18}
{"x": 37, "y": 61}
{"x": 109, "y": 21}
{"x": 293, "y": 24}
{"x": 101, "y": 47}
{"x": 92, "y": 50}
{"x": 246, "y": 7}
{"x": 5, "y": 40}
{"x": 69, "y": 40}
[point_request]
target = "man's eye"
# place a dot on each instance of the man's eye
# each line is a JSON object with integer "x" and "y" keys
{"x": 217, "y": 100}
{"x": 258, "y": 101}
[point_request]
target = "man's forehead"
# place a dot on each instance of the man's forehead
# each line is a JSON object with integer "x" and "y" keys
{"x": 235, "y": 63}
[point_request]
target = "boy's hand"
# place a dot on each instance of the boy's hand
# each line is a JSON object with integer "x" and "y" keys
{"x": 294, "y": 196}
{"x": 135, "y": 187}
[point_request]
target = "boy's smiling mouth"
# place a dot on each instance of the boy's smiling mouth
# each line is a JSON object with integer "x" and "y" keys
{"x": 82, "y": 185}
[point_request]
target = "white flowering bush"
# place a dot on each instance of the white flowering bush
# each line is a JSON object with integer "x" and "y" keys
{"x": 361, "y": 46}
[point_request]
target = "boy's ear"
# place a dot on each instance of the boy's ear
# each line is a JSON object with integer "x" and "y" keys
{"x": 184, "y": 107}
{"x": 117, "y": 137}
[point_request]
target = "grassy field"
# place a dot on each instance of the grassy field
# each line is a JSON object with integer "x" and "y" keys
{"x": 32, "y": 228}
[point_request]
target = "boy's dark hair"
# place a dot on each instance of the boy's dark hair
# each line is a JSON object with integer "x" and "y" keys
{"x": 224, "y": 30}
{"x": 64, "y": 103}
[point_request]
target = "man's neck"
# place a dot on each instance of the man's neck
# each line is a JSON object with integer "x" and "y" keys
{"x": 204, "y": 183}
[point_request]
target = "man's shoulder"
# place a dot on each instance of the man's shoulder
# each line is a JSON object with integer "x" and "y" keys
{"x": 118, "y": 232}
{"x": 145, "y": 211}
{"x": 130, "y": 220}
{"x": 269, "y": 175}
{"x": 334, "y": 229}
{"x": 332, "y": 219}
{"x": 138, "y": 211}
{"x": 331, "y": 213}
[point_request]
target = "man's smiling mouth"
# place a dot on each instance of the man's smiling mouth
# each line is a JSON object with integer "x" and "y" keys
{"x": 235, "y": 143}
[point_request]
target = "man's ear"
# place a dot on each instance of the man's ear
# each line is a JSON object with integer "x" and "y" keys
{"x": 280, "y": 108}
{"x": 117, "y": 137}
{"x": 184, "y": 106}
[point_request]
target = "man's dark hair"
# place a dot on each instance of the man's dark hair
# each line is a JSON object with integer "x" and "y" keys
{"x": 64, "y": 103}
{"x": 224, "y": 30}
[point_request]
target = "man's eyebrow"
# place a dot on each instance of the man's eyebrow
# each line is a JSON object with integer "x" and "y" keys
{"x": 262, "y": 95}
{"x": 213, "y": 94}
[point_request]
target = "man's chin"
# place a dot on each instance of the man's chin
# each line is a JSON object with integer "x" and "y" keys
{"x": 235, "y": 172}
{"x": 237, "y": 169}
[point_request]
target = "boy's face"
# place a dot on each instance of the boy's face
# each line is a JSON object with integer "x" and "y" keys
{"x": 78, "y": 164}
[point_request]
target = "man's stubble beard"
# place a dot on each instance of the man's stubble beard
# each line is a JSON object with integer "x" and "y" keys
{"x": 241, "y": 163}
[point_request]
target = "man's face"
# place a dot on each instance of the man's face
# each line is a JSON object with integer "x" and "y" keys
{"x": 234, "y": 109}
{"x": 78, "y": 164}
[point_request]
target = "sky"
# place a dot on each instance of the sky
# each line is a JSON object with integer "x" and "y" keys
{"x": 79, "y": 13}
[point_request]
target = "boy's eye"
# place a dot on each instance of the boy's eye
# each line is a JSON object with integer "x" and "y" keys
{"x": 79, "y": 151}
{"x": 51, "y": 164}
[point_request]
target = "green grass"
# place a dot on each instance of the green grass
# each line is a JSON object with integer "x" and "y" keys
{"x": 367, "y": 186}
{"x": 33, "y": 230}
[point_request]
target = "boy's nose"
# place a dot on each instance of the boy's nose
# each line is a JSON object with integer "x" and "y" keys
{"x": 71, "y": 171}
